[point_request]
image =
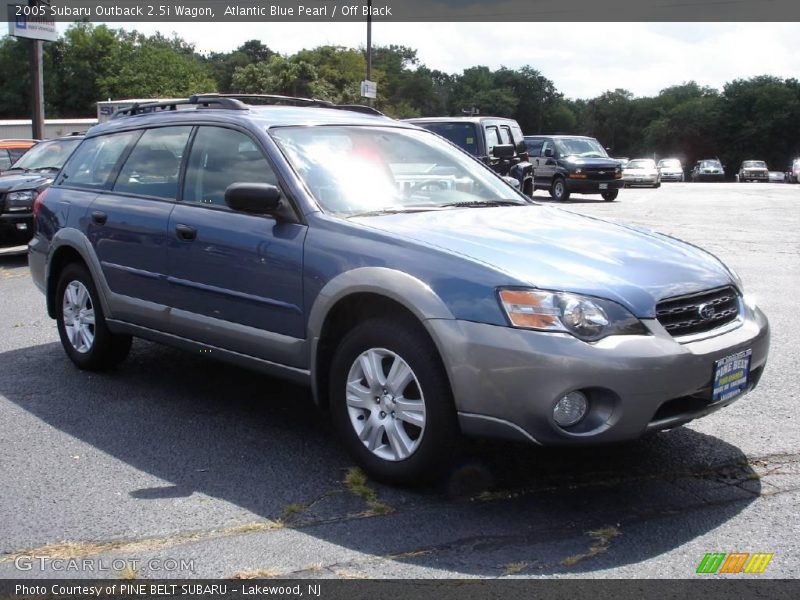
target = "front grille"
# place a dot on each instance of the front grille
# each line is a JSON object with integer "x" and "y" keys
{"x": 601, "y": 174}
{"x": 698, "y": 313}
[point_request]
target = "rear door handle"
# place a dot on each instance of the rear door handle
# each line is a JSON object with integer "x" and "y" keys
{"x": 99, "y": 217}
{"x": 185, "y": 232}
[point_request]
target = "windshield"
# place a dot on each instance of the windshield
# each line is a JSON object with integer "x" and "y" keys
{"x": 47, "y": 155}
{"x": 710, "y": 164}
{"x": 641, "y": 164}
{"x": 461, "y": 134}
{"x": 356, "y": 170}
{"x": 670, "y": 163}
{"x": 754, "y": 164}
{"x": 584, "y": 147}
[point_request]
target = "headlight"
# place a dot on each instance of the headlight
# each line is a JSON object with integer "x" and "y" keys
{"x": 588, "y": 319}
{"x": 577, "y": 174}
{"x": 20, "y": 201}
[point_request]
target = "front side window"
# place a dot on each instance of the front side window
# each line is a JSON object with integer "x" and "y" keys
{"x": 492, "y": 139}
{"x": 356, "y": 170}
{"x": 153, "y": 166}
{"x": 534, "y": 146}
{"x": 95, "y": 160}
{"x": 5, "y": 160}
{"x": 219, "y": 158}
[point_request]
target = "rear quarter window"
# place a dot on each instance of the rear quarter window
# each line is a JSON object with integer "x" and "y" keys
{"x": 461, "y": 134}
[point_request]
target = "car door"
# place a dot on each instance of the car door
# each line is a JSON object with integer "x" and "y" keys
{"x": 128, "y": 223}
{"x": 492, "y": 136}
{"x": 545, "y": 165}
{"x": 236, "y": 278}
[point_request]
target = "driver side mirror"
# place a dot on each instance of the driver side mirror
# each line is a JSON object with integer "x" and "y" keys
{"x": 254, "y": 198}
{"x": 548, "y": 152}
{"x": 504, "y": 151}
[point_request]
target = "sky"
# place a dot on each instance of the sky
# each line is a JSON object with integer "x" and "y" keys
{"x": 582, "y": 59}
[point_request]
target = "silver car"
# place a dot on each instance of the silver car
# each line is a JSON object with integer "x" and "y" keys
{"x": 671, "y": 169}
{"x": 641, "y": 172}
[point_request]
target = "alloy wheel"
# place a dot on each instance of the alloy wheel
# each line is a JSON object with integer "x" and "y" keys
{"x": 78, "y": 315}
{"x": 385, "y": 404}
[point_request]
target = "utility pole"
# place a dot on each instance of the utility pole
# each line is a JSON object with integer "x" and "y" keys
{"x": 369, "y": 40}
{"x": 37, "y": 90}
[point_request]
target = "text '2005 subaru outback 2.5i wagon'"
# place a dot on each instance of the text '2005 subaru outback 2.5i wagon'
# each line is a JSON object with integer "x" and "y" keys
{"x": 418, "y": 294}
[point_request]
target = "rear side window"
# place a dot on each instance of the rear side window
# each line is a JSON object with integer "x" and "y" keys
{"x": 153, "y": 167}
{"x": 461, "y": 134}
{"x": 5, "y": 160}
{"x": 505, "y": 135}
{"x": 220, "y": 157}
{"x": 95, "y": 160}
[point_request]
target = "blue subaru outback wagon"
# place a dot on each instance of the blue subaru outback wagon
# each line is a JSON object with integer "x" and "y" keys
{"x": 417, "y": 293}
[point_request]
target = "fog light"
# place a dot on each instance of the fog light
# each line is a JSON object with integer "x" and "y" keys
{"x": 22, "y": 226}
{"x": 570, "y": 409}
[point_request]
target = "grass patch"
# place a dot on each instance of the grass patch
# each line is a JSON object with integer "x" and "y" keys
{"x": 602, "y": 540}
{"x": 356, "y": 482}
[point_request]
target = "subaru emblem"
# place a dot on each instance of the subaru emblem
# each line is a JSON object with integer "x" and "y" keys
{"x": 706, "y": 311}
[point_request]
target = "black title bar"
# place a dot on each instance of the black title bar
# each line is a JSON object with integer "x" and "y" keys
{"x": 414, "y": 10}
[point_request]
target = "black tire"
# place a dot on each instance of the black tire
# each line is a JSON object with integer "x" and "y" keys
{"x": 658, "y": 185}
{"x": 559, "y": 191}
{"x": 610, "y": 195}
{"x": 107, "y": 349}
{"x": 436, "y": 441}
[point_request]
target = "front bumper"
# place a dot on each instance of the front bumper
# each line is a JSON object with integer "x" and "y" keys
{"x": 754, "y": 176}
{"x": 15, "y": 229}
{"x": 506, "y": 381}
{"x": 592, "y": 186}
{"x": 671, "y": 176}
{"x": 709, "y": 176}
{"x": 632, "y": 180}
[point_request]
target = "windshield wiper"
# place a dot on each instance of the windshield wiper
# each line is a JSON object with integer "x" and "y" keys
{"x": 484, "y": 203}
{"x": 393, "y": 211}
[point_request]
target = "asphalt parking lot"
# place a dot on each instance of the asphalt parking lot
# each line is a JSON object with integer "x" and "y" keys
{"x": 173, "y": 456}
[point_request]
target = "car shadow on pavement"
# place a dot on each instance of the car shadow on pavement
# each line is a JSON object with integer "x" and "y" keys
{"x": 202, "y": 427}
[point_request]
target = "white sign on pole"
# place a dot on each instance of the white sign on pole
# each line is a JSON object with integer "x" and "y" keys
{"x": 369, "y": 89}
{"x": 33, "y": 27}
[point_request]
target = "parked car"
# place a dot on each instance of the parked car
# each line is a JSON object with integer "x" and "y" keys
{"x": 671, "y": 169}
{"x": 753, "y": 170}
{"x": 709, "y": 169}
{"x": 309, "y": 243}
{"x": 23, "y": 181}
{"x": 793, "y": 172}
{"x": 496, "y": 141}
{"x": 777, "y": 177}
{"x": 641, "y": 172}
{"x": 566, "y": 164}
{"x": 12, "y": 150}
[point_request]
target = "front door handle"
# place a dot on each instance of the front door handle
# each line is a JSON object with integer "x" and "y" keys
{"x": 99, "y": 217}
{"x": 185, "y": 232}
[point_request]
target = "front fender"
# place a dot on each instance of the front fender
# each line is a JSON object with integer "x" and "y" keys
{"x": 415, "y": 295}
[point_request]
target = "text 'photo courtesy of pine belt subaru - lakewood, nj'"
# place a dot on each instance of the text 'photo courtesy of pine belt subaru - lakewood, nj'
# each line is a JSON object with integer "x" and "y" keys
{"x": 306, "y": 240}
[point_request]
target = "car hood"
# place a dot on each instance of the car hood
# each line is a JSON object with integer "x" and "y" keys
{"x": 12, "y": 182}
{"x": 554, "y": 249}
{"x": 599, "y": 163}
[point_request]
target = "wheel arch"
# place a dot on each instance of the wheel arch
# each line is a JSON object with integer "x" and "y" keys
{"x": 359, "y": 295}
{"x": 68, "y": 246}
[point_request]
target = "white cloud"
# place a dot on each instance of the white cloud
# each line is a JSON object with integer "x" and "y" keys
{"x": 583, "y": 59}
